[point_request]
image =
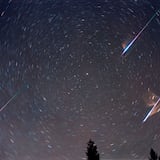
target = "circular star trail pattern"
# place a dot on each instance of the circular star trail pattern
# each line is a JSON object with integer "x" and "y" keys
{"x": 68, "y": 53}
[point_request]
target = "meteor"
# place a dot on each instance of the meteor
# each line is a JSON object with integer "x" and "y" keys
{"x": 6, "y": 104}
{"x": 154, "y": 110}
{"x": 13, "y": 97}
{"x": 139, "y": 33}
{"x": 153, "y": 101}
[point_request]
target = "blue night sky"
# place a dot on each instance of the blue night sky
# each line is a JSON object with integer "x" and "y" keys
{"x": 63, "y": 79}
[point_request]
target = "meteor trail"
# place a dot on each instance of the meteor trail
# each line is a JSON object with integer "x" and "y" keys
{"x": 5, "y": 105}
{"x": 13, "y": 97}
{"x": 154, "y": 110}
{"x": 136, "y": 37}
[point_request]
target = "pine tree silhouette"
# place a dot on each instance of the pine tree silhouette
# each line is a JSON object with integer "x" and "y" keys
{"x": 92, "y": 153}
{"x": 153, "y": 155}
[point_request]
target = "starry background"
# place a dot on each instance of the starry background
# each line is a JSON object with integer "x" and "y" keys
{"x": 68, "y": 54}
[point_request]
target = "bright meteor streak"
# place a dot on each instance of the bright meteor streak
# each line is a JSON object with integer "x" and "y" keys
{"x": 136, "y": 37}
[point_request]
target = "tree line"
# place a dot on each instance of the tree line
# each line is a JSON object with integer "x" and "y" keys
{"x": 92, "y": 153}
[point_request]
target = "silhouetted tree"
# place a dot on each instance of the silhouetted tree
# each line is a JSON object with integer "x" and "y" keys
{"x": 153, "y": 155}
{"x": 92, "y": 153}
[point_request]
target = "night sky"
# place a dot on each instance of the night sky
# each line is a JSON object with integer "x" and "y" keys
{"x": 61, "y": 60}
